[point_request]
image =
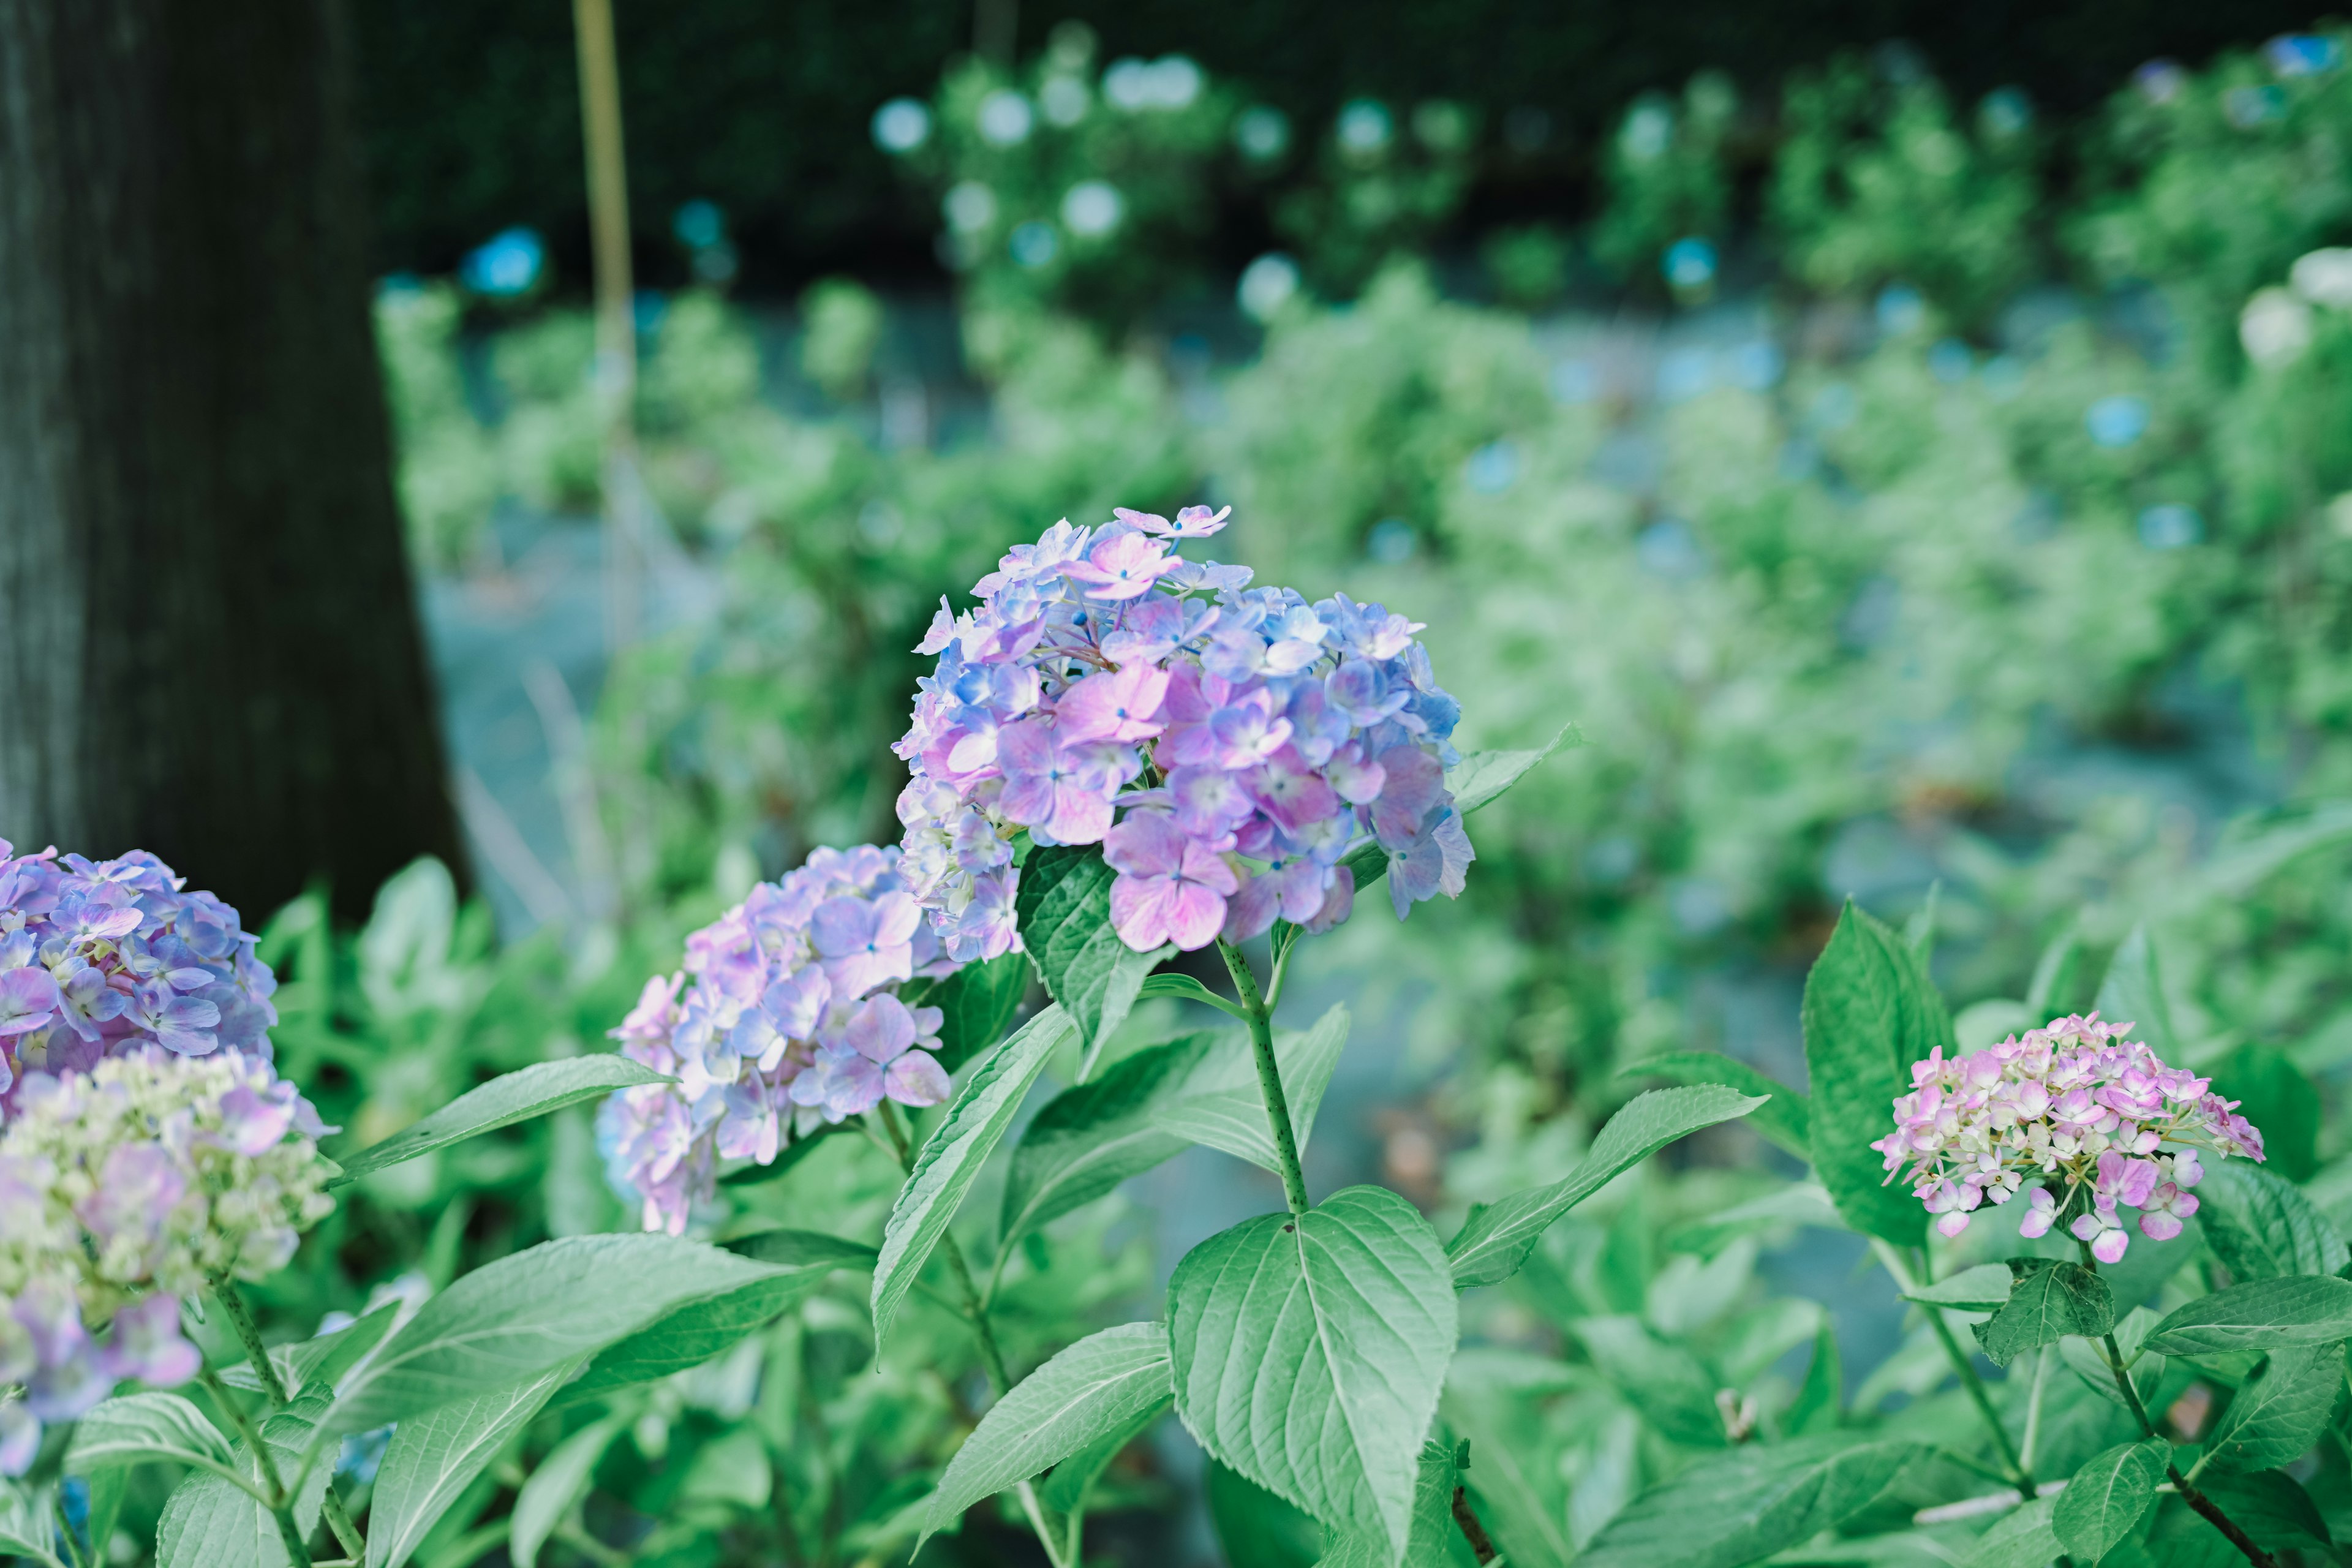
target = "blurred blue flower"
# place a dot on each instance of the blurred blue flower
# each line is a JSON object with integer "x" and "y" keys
{"x": 1267, "y": 285}
{"x": 1005, "y": 118}
{"x": 2160, "y": 81}
{"x": 1365, "y": 127}
{"x": 1065, "y": 100}
{"x": 1648, "y": 131}
{"x": 2117, "y": 421}
{"x": 2303, "y": 54}
{"x": 699, "y": 225}
{"x": 1755, "y": 366}
{"x": 1172, "y": 81}
{"x": 1575, "y": 381}
{"x": 1950, "y": 361}
{"x": 506, "y": 266}
{"x": 1901, "y": 312}
{"x": 1493, "y": 467}
{"x": 1034, "y": 244}
{"x": 1262, "y": 133}
{"x": 1392, "y": 542}
{"x": 970, "y": 206}
{"x": 2247, "y": 107}
{"x": 2170, "y": 527}
{"x": 1668, "y": 548}
{"x": 1684, "y": 373}
{"x": 1688, "y": 264}
{"x": 648, "y": 308}
{"x": 1092, "y": 209}
{"x": 901, "y": 125}
{"x": 2006, "y": 112}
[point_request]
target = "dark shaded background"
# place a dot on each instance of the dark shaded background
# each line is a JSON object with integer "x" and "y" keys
{"x": 469, "y": 107}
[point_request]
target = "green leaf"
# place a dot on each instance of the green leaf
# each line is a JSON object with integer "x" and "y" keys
{"x": 1664, "y": 1381}
{"x": 2263, "y": 1227}
{"x": 1496, "y": 1240}
{"x": 432, "y": 1458}
{"x": 1750, "y": 1503}
{"x": 517, "y": 1097}
{"x": 1481, "y": 778}
{"x": 1224, "y": 1108}
{"x": 555, "y": 1486}
{"x": 1309, "y": 1352}
{"x": 2133, "y": 992}
{"x": 1063, "y": 907}
{"x": 2047, "y": 1301}
{"x": 2279, "y": 1099}
{"x": 2270, "y": 1506}
{"x": 2263, "y": 1315}
{"x": 324, "y": 1358}
{"x": 1819, "y": 1404}
{"x": 1256, "y": 1529}
{"x": 1983, "y": 1288}
{"x": 1184, "y": 988}
{"x": 2280, "y": 1410}
{"x": 2088, "y": 1361}
{"x": 695, "y": 1333}
{"x": 2105, "y": 1500}
{"x": 1088, "y": 1139}
{"x": 511, "y": 1320}
{"x": 26, "y": 1528}
{"x": 211, "y": 1522}
{"x": 796, "y": 1148}
{"x": 1437, "y": 1541}
{"x": 1785, "y": 1117}
{"x": 149, "y": 1426}
{"x": 1093, "y": 1390}
{"x": 977, "y": 1002}
{"x": 1069, "y": 1486}
{"x": 970, "y": 1131}
{"x": 1868, "y": 1014}
{"x": 2027, "y": 1538}
{"x": 789, "y": 1249}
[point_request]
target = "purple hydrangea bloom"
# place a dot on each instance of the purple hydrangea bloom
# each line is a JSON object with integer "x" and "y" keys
{"x": 784, "y": 1017}
{"x": 1229, "y": 746}
{"x": 2088, "y": 1114}
{"x": 99, "y": 958}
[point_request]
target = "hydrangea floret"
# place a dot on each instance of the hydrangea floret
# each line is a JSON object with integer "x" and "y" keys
{"x": 125, "y": 1189}
{"x": 1227, "y": 746}
{"x": 784, "y": 1017}
{"x": 2077, "y": 1106}
{"x": 102, "y": 957}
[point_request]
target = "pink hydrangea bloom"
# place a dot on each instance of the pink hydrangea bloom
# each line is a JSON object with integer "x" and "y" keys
{"x": 1104, "y": 682}
{"x": 2076, "y": 1107}
{"x": 784, "y": 1017}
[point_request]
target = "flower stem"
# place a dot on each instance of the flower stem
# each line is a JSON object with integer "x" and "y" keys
{"x": 2018, "y": 1475}
{"x": 2188, "y": 1490}
{"x": 1269, "y": 1076}
{"x": 991, "y": 1355}
{"x": 241, "y": 1317}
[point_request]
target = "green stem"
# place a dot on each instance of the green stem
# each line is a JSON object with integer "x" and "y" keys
{"x": 2182, "y": 1484}
{"x": 281, "y": 1506}
{"x": 2018, "y": 1475}
{"x": 339, "y": 1517}
{"x": 1269, "y": 1076}
{"x": 991, "y": 1356}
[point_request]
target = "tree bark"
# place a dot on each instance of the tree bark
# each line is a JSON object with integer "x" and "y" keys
{"x": 208, "y": 637}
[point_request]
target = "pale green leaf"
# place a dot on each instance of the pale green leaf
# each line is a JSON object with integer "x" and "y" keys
{"x": 516, "y": 1096}
{"x": 1071, "y": 1483}
{"x": 694, "y": 1333}
{"x": 970, "y": 1131}
{"x": 2025, "y": 1538}
{"x": 432, "y": 1458}
{"x": 789, "y": 1249}
{"x": 1224, "y": 1108}
{"x": 549, "y": 1306}
{"x": 1750, "y": 1503}
{"x": 1095, "y": 1389}
{"x": 2270, "y": 1506}
{"x": 552, "y": 1490}
{"x": 1868, "y": 1015}
{"x": 1063, "y": 908}
{"x": 2046, "y": 1302}
{"x": 1785, "y": 1117}
{"x": 1088, "y": 1139}
{"x": 1983, "y": 1288}
{"x": 2280, "y": 1411}
{"x": 2262, "y": 1226}
{"x": 147, "y": 1426}
{"x": 1496, "y": 1240}
{"x": 2133, "y": 992}
{"x": 1184, "y": 988}
{"x": 1436, "y": 1540}
{"x": 2263, "y": 1315}
{"x": 976, "y": 1003}
{"x": 1256, "y": 1529}
{"x": 211, "y": 1522}
{"x": 1309, "y": 1352}
{"x": 2104, "y": 1501}
{"x": 323, "y": 1358}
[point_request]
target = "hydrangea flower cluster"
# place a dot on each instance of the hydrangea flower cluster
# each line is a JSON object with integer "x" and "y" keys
{"x": 2077, "y": 1102}
{"x": 125, "y": 1189}
{"x": 1226, "y": 745}
{"x": 783, "y": 1013}
{"x": 100, "y": 957}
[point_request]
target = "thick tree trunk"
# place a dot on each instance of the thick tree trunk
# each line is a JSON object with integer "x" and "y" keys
{"x": 208, "y": 641}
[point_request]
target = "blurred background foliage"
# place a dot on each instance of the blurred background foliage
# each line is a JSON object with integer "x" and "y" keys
{"x": 1931, "y": 490}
